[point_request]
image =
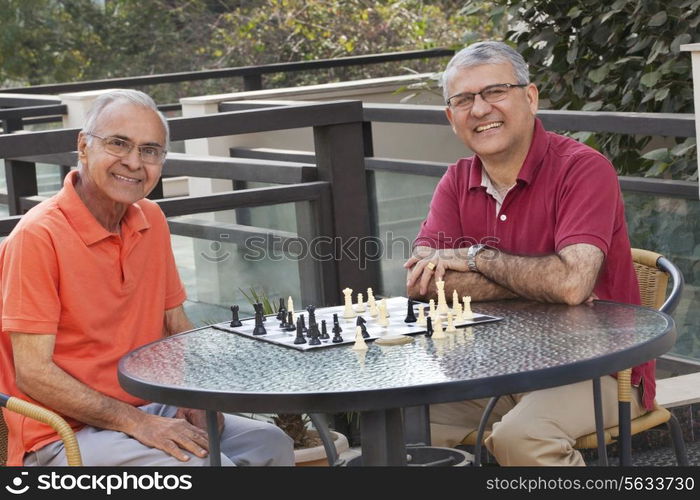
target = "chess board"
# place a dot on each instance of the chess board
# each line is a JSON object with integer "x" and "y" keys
{"x": 396, "y": 306}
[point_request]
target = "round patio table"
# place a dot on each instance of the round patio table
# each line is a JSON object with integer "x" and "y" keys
{"x": 534, "y": 346}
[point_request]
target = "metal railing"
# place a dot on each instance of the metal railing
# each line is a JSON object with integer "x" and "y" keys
{"x": 320, "y": 196}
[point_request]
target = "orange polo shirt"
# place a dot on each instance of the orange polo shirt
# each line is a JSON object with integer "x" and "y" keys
{"x": 101, "y": 294}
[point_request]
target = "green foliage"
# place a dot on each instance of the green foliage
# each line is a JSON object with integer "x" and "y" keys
{"x": 620, "y": 55}
{"x": 261, "y": 297}
{"x": 273, "y": 31}
{"x": 48, "y": 41}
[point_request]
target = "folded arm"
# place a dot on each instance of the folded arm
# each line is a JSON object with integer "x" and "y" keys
{"x": 568, "y": 276}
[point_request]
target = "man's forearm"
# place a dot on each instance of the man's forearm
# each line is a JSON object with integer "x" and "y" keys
{"x": 58, "y": 390}
{"x": 476, "y": 285}
{"x": 548, "y": 278}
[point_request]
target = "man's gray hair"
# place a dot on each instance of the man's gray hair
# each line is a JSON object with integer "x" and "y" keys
{"x": 135, "y": 97}
{"x": 489, "y": 52}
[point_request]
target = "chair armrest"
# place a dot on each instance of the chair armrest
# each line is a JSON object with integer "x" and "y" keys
{"x": 50, "y": 418}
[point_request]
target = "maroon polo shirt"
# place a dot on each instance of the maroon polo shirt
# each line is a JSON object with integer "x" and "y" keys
{"x": 565, "y": 193}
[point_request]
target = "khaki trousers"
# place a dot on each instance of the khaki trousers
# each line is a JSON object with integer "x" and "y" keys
{"x": 533, "y": 428}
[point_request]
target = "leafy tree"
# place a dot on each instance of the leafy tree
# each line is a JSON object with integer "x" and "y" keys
{"x": 294, "y": 30}
{"x": 614, "y": 56}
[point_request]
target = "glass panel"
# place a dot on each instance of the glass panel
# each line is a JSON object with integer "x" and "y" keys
{"x": 402, "y": 202}
{"x": 216, "y": 274}
{"x": 671, "y": 226}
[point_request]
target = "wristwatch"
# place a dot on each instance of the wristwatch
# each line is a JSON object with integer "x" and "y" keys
{"x": 472, "y": 252}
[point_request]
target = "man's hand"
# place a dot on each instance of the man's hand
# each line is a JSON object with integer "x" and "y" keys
{"x": 172, "y": 435}
{"x": 426, "y": 263}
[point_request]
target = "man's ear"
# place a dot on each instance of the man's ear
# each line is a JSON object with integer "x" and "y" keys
{"x": 82, "y": 145}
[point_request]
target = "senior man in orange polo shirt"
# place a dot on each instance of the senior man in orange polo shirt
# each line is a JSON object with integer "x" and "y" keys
{"x": 89, "y": 275}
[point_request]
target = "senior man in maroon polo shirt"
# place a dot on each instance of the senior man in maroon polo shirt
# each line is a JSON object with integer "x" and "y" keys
{"x": 535, "y": 215}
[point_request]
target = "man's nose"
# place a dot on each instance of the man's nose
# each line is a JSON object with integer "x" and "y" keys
{"x": 133, "y": 159}
{"x": 480, "y": 106}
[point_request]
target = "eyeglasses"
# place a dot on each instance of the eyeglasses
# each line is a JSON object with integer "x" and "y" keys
{"x": 121, "y": 147}
{"x": 490, "y": 94}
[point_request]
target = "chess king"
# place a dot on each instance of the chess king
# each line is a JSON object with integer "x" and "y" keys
{"x": 532, "y": 215}
{"x": 87, "y": 276}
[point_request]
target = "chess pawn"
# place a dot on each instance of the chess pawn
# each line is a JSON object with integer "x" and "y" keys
{"x": 450, "y": 324}
{"x": 421, "y": 316}
{"x": 382, "y": 320}
{"x": 438, "y": 333}
{"x": 290, "y": 322}
{"x": 300, "y": 333}
{"x": 455, "y": 299}
{"x": 348, "y": 312}
{"x": 324, "y": 330}
{"x": 468, "y": 314}
{"x": 459, "y": 317}
{"x": 410, "y": 314}
{"x": 385, "y": 307}
{"x": 360, "y": 344}
{"x": 431, "y": 311}
{"x": 360, "y": 307}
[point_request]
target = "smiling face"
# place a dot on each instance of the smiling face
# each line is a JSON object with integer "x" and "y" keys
{"x": 499, "y": 133}
{"x": 109, "y": 183}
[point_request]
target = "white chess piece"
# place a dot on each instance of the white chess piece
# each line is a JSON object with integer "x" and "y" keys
{"x": 431, "y": 310}
{"x": 455, "y": 299}
{"x": 360, "y": 344}
{"x": 442, "y": 301}
{"x": 459, "y": 317}
{"x": 468, "y": 314}
{"x": 371, "y": 302}
{"x": 438, "y": 332}
{"x": 348, "y": 312}
{"x": 421, "y": 316}
{"x": 386, "y": 308}
{"x": 360, "y": 307}
{"x": 382, "y": 320}
{"x": 290, "y": 308}
{"x": 450, "y": 323}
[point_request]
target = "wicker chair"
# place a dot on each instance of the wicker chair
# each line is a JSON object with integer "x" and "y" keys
{"x": 48, "y": 417}
{"x": 653, "y": 273}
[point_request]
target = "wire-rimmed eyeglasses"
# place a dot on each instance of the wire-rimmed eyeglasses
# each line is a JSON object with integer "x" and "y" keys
{"x": 121, "y": 147}
{"x": 491, "y": 94}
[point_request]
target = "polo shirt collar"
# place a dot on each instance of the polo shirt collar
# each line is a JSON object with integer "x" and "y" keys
{"x": 85, "y": 224}
{"x": 532, "y": 164}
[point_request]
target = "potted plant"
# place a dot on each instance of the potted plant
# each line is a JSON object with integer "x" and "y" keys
{"x": 308, "y": 445}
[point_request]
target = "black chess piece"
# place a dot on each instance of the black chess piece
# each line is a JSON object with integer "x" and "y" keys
{"x": 290, "y": 322}
{"x": 429, "y": 327}
{"x": 336, "y": 333}
{"x": 410, "y": 315}
{"x": 361, "y": 323}
{"x": 282, "y": 311}
{"x": 324, "y": 331}
{"x": 312, "y": 315}
{"x": 300, "y": 333}
{"x": 259, "y": 307}
{"x": 314, "y": 334}
{"x": 336, "y": 323}
{"x": 283, "y": 320}
{"x": 303, "y": 325}
{"x": 259, "y": 327}
{"x": 234, "y": 320}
